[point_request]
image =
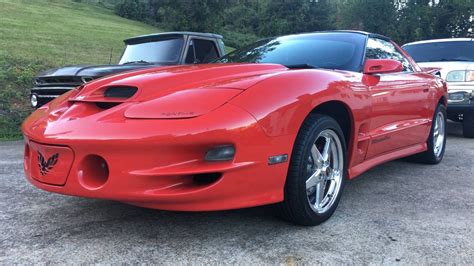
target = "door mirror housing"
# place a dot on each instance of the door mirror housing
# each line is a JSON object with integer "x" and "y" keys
{"x": 379, "y": 66}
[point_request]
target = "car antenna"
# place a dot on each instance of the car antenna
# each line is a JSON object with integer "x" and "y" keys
{"x": 110, "y": 58}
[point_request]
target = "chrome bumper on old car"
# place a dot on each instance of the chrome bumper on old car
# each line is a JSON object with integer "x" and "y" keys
{"x": 42, "y": 95}
{"x": 460, "y": 99}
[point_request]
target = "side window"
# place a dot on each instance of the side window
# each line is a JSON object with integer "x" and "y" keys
{"x": 381, "y": 49}
{"x": 205, "y": 50}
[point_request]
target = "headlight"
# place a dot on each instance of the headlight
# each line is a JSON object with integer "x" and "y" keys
{"x": 460, "y": 76}
{"x": 222, "y": 153}
{"x": 34, "y": 100}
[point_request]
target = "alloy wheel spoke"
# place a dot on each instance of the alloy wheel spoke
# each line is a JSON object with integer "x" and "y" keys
{"x": 316, "y": 156}
{"x": 317, "y": 200}
{"x": 327, "y": 149}
{"x": 326, "y": 199}
{"x": 314, "y": 179}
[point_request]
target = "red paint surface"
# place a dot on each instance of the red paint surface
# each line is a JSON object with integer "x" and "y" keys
{"x": 154, "y": 142}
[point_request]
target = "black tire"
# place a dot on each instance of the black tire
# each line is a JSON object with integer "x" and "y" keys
{"x": 296, "y": 207}
{"x": 430, "y": 156}
{"x": 468, "y": 125}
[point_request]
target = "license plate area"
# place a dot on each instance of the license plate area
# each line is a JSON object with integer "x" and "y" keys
{"x": 48, "y": 164}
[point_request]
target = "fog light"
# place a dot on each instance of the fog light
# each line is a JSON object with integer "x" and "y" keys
{"x": 277, "y": 159}
{"x": 34, "y": 100}
{"x": 93, "y": 172}
{"x": 221, "y": 153}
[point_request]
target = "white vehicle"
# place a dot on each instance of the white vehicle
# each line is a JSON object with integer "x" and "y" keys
{"x": 455, "y": 60}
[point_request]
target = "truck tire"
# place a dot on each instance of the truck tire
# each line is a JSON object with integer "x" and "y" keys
{"x": 468, "y": 125}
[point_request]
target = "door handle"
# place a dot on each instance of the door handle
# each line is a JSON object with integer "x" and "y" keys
{"x": 426, "y": 89}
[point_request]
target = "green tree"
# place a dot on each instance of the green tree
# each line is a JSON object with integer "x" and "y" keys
{"x": 285, "y": 17}
{"x": 453, "y": 18}
{"x": 132, "y": 9}
{"x": 377, "y": 16}
{"x": 430, "y": 19}
{"x": 192, "y": 15}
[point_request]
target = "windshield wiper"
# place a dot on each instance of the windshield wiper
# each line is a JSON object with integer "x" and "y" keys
{"x": 136, "y": 62}
{"x": 301, "y": 66}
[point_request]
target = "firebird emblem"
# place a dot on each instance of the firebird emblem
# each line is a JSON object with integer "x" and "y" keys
{"x": 44, "y": 165}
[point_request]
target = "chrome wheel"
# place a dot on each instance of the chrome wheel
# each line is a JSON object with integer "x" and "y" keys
{"x": 439, "y": 134}
{"x": 325, "y": 171}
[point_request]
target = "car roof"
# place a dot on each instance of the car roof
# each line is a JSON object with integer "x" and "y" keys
{"x": 157, "y": 36}
{"x": 441, "y": 40}
{"x": 369, "y": 34}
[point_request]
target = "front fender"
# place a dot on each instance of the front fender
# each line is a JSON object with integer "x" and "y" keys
{"x": 282, "y": 102}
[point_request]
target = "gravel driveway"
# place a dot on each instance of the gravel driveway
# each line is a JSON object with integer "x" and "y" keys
{"x": 397, "y": 212}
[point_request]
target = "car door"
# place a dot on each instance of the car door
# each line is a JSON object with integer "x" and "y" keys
{"x": 399, "y": 103}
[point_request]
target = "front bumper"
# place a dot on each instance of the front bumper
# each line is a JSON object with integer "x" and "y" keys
{"x": 158, "y": 163}
{"x": 460, "y": 99}
{"x": 46, "y": 94}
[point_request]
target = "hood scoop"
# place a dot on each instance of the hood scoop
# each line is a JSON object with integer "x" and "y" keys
{"x": 120, "y": 92}
{"x": 107, "y": 97}
{"x": 114, "y": 94}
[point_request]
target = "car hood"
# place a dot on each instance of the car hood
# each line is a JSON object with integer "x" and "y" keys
{"x": 92, "y": 70}
{"x": 446, "y": 67}
{"x": 175, "y": 92}
{"x": 158, "y": 82}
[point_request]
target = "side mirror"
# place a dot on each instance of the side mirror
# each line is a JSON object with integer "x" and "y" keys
{"x": 378, "y": 66}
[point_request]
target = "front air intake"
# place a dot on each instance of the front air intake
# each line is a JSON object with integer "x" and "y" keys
{"x": 122, "y": 92}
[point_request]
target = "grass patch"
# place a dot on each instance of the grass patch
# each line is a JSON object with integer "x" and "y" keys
{"x": 64, "y": 32}
{"x": 41, "y": 34}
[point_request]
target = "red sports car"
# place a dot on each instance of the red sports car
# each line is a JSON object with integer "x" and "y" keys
{"x": 286, "y": 120}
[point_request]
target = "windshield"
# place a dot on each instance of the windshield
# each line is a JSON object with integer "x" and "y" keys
{"x": 441, "y": 51}
{"x": 160, "y": 51}
{"x": 340, "y": 50}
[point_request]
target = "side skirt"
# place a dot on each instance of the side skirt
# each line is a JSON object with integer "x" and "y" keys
{"x": 400, "y": 153}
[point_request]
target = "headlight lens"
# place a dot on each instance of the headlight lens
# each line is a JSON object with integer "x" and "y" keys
{"x": 456, "y": 76}
{"x": 222, "y": 153}
{"x": 34, "y": 100}
{"x": 460, "y": 76}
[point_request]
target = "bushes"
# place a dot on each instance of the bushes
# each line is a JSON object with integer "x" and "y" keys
{"x": 237, "y": 40}
{"x": 132, "y": 9}
{"x": 15, "y": 81}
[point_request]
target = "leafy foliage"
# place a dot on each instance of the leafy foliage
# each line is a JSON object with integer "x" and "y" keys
{"x": 403, "y": 20}
{"x": 15, "y": 77}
